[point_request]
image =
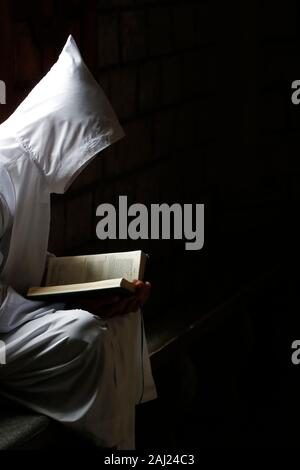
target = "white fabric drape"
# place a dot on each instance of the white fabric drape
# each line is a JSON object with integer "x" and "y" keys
{"x": 65, "y": 363}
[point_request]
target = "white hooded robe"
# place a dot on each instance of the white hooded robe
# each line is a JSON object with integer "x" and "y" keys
{"x": 68, "y": 364}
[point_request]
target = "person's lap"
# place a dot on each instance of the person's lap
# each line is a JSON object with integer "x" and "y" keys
{"x": 77, "y": 369}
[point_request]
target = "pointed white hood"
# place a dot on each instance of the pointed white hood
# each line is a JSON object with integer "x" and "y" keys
{"x": 65, "y": 120}
{"x": 63, "y": 123}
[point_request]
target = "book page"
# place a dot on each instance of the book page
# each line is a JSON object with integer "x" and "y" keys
{"x": 113, "y": 265}
{"x": 66, "y": 271}
{"x": 120, "y": 285}
{"x": 90, "y": 268}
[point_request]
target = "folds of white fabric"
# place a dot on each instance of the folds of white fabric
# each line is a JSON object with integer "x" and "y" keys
{"x": 81, "y": 371}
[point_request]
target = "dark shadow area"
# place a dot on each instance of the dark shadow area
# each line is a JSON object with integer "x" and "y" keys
{"x": 233, "y": 384}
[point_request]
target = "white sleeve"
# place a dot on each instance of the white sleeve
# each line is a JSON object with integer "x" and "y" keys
{"x": 14, "y": 308}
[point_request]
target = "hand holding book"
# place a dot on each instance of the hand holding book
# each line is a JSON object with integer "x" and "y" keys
{"x": 90, "y": 276}
{"x": 112, "y": 305}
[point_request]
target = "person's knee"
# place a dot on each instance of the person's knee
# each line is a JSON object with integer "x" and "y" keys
{"x": 83, "y": 332}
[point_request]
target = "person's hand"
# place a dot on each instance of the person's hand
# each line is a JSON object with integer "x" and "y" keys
{"x": 143, "y": 291}
{"x": 111, "y": 306}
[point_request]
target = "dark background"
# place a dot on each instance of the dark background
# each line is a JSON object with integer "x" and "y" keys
{"x": 203, "y": 91}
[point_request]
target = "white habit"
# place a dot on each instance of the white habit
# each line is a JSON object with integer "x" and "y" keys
{"x": 68, "y": 364}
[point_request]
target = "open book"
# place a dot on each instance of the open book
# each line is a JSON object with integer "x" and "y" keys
{"x": 91, "y": 275}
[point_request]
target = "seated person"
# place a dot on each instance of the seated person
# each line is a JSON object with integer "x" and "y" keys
{"x": 86, "y": 366}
